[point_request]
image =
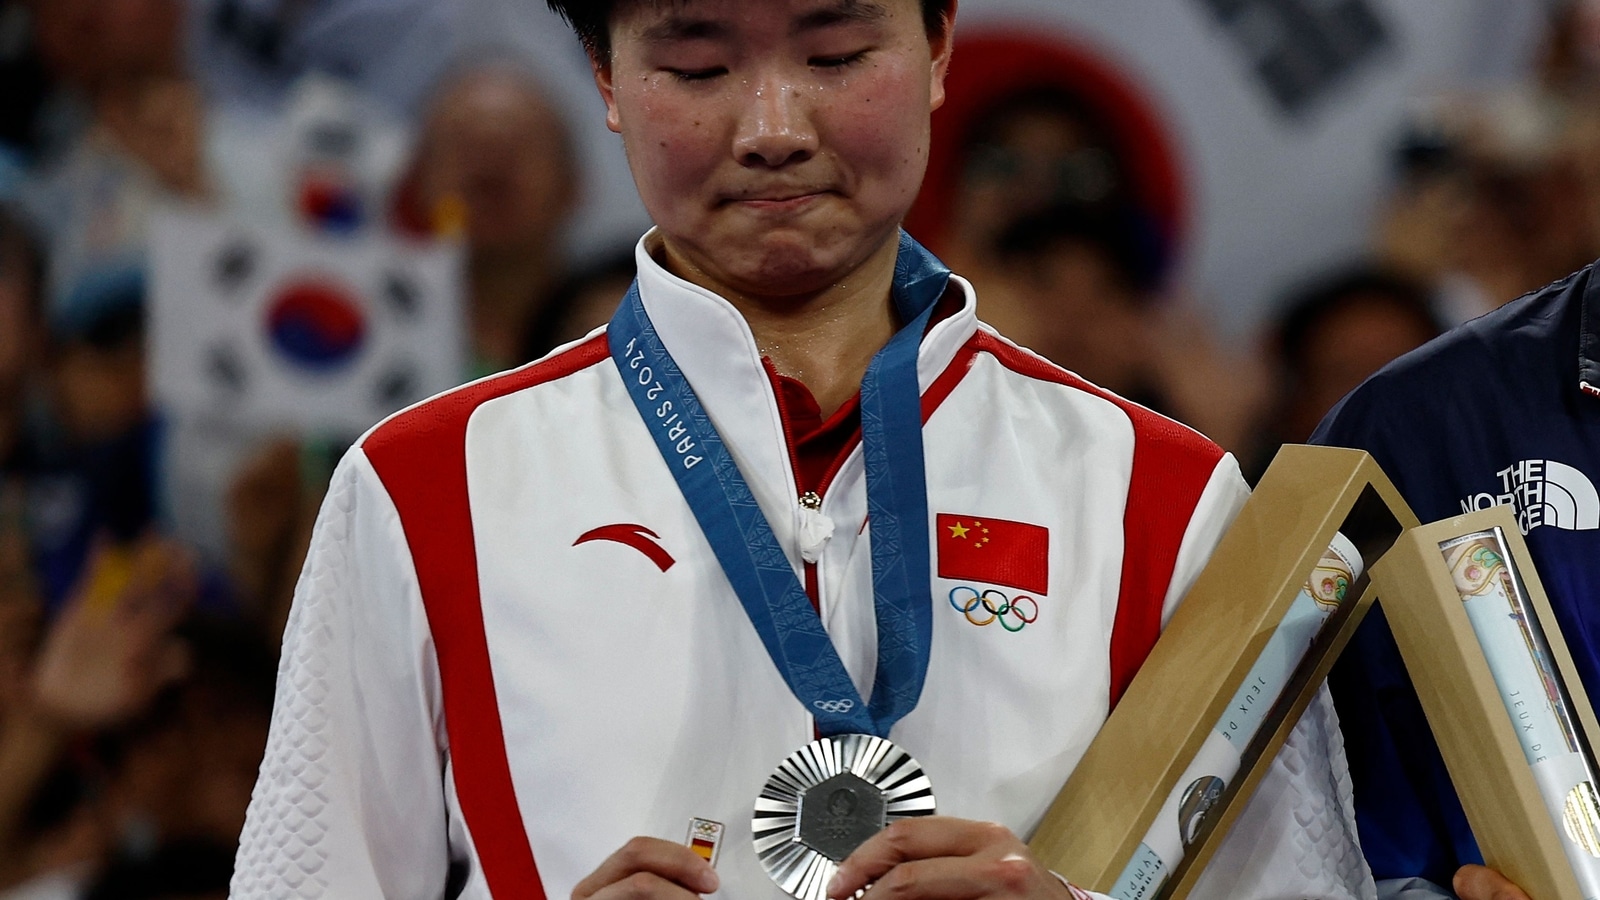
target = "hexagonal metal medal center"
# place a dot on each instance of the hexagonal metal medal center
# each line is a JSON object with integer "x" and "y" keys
{"x": 839, "y": 814}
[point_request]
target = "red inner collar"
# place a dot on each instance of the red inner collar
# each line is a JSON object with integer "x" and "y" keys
{"x": 818, "y": 446}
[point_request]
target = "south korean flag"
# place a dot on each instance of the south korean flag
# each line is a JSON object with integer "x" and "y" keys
{"x": 275, "y": 328}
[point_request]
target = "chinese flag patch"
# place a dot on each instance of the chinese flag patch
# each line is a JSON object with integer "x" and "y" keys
{"x": 994, "y": 551}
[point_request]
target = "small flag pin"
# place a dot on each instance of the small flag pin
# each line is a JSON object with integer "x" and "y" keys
{"x": 705, "y": 839}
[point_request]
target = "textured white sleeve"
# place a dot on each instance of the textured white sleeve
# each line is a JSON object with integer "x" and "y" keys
{"x": 1297, "y": 835}
{"x": 350, "y": 801}
{"x": 1296, "y": 838}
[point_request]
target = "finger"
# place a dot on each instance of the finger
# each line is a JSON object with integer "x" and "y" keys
{"x": 957, "y": 878}
{"x": 920, "y": 838}
{"x": 1484, "y": 883}
{"x": 651, "y": 856}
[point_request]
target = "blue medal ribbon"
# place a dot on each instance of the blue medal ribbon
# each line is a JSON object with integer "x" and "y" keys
{"x": 743, "y": 540}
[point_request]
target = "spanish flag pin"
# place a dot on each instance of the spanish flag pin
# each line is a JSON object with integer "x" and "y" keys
{"x": 705, "y": 838}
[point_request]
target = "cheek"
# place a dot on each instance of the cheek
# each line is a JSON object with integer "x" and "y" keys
{"x": 672, "y": 142}
{"x": 883, "y": 127}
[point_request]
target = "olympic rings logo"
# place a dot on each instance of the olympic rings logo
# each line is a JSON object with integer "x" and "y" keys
{"x": 985, "y": 607}
{"x": 834, "y": 706}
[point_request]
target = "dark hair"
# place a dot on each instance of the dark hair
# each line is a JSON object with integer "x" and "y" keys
{"x": 591, "y": 19}
{"x": 1033, "y": 99}
{"x": 544, "y": 331}
{"x": 20, "y": 246}
{"x": 182, "y": 868}
{"x": 1313, "y": 304}
{"x": 1125, "y": 239}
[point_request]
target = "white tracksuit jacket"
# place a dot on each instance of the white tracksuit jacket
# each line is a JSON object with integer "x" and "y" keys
{"x": 471, "y": 700}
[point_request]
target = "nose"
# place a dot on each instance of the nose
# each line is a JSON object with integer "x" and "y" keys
{"x": 777, "y": 128}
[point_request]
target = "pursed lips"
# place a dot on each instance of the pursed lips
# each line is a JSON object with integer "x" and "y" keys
{"x": 778, "y": 199}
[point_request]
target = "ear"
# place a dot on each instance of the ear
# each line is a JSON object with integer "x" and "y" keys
{"x": 601, "y": 64}
{"x": 942, "y": 45}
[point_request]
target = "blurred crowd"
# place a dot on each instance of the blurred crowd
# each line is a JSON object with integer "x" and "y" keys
{"x": 137, "y": 654}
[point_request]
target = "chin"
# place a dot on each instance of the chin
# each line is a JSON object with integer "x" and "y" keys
{"x": 787, "y": 265}
{"x": 788, "y": 278}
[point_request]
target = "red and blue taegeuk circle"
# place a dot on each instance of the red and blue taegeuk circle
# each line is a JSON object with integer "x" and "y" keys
{"x": 316, "y": 324}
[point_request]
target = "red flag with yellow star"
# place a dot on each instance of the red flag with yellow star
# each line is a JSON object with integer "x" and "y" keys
{"x": 994, "y": 551}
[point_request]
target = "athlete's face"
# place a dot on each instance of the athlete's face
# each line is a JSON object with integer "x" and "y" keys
{"x": 777, "y": 144}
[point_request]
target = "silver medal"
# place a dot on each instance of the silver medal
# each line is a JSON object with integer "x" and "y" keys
{"x": 825, "y": 800}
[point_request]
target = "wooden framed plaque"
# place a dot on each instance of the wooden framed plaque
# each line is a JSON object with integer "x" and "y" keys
{"x": 1501, "y": 695}
{"x": 1136, "y": 775}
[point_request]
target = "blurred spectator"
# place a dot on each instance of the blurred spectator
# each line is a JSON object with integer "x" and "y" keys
{"x": 184, "y": 870}
{"x": 1332, "y": 334}
{"x": 1033, "y": 120}
{"x": 1499, "y": 192}
{"x": 97, "y": 359}
{"x": 254, "y": 51}
{"x": 271, "y": 506}
{"x": 137, "y": 741}
{"x": 1039, "y": 149}
{"x": 143, "y": 145}
{"x": 1035, "y": 154}
{"x": 1082, "y": 290}
{"x": 584, "y": 302}
{"x": 1485, "y": 224}
{"x": 103, "y": 46}
{"x": 1086, "y": 286}
{"x": 1052, "y": 187}
{"x": 99, "y": 666}
{"x": 84, "y": 471}
{"x": 93, "y": 466}
{"x": 21, "y": 331}
{"x": 25, "y": 88}
{"x": 495, "y": 162}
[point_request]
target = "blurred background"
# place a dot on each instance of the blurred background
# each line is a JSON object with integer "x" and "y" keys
{"x": 236, "y": 233}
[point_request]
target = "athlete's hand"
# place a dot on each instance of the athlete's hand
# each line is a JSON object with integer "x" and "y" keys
{"x": 940, "y": 857}
{"x": 1483, "y": 883}
{"x": 646, "y": 869}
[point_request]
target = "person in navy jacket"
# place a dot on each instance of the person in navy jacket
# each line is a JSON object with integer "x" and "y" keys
{"x": 1503, "y": 410}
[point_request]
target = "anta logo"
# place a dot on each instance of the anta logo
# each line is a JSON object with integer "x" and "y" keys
{"x": 638, "y": 537}
{"x": 1543, "y": 492}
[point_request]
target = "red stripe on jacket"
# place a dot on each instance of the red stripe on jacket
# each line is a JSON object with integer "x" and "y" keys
{"x": 1172, "y": 465}
{"x": 421, "y": 457}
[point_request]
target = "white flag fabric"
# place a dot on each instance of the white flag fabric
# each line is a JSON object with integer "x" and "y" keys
{"x": 1278, "y": 119}
{"x": 274, "y": 328}
{"x": 1282, "y": 116}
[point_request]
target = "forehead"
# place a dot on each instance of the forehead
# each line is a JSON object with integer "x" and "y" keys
{"x": 668, "y": 20}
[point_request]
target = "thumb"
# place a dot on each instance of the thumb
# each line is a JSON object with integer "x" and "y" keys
{"x": 1484, "y": 883}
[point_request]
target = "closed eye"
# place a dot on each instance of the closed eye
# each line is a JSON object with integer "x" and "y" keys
{"x": 837, "y": 62}
{"x": 698, "y": 74}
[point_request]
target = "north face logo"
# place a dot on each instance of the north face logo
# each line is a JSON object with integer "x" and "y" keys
{"x": 1543, "y": 492}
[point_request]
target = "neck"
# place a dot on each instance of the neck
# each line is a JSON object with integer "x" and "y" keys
{"x": 508, "y": 290}
{"x": 824, "y": 340}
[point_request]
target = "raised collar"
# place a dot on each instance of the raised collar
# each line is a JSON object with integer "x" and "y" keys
{"x": 716, "y": 352}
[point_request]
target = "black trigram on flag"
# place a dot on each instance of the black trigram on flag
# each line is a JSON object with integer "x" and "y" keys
{"x": 1300, "y": 49}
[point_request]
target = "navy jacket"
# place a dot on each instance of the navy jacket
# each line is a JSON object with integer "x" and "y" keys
{"x": 1503, "y": 410}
